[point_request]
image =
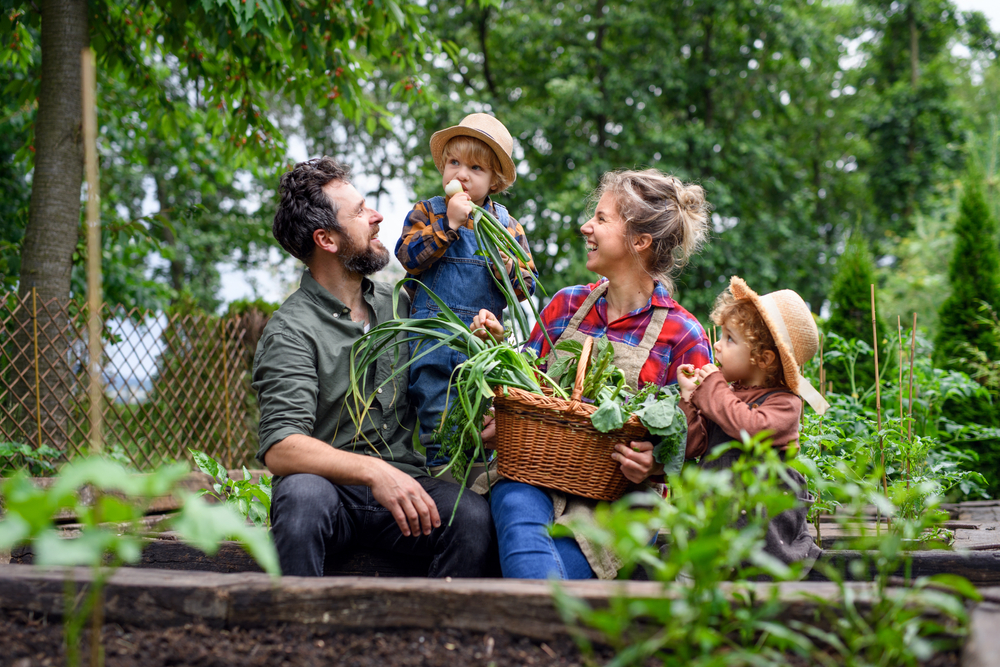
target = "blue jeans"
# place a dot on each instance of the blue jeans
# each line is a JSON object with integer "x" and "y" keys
{"x": 522, "y": 514}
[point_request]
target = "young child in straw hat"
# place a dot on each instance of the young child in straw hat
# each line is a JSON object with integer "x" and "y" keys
{"x": 754, "y": 386}
{"x": 438, "y": 247}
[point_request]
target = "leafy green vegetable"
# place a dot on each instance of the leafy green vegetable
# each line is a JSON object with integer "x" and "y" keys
{"x": 251, "y": 500}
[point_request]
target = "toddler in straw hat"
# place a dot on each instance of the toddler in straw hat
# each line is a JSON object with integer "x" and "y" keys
{"x": 438, "y": 247}
{"x": 755, "y": 386}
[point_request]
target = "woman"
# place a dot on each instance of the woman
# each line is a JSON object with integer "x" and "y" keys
{"x": 644, "y": 228}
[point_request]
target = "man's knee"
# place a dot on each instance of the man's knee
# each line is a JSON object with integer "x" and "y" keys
{"x": 303, "y": 504}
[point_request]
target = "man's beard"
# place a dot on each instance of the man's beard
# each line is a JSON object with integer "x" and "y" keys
{"x": 363, "y": 259}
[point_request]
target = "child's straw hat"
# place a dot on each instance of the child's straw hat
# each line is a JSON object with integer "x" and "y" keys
{"x": 788, "y": 318}
{"x": 486, "y": 128}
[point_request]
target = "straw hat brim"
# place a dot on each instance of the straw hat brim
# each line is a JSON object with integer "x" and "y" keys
{"x": 442, "y": 137}
{"x": 741, "y": 290}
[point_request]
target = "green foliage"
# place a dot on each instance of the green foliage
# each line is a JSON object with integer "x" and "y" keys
{"x": 984, "y": 367}
{"x": 974, "y": 275}
{"x": 109, "y": 536}
{"x": 851, "y": 314}
{"x": 36, "y": 462}
{"x": 714, "y": 523}
{"x": 252, "y": 501}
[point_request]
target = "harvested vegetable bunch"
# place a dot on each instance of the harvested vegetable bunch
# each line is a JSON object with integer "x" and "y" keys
{"x": 656, "y": 407}
{"x": 495, "y": 243}
{"x": 490, "y": 364}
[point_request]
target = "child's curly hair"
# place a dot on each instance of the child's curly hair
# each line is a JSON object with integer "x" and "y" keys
{"x": 742, "y": 315}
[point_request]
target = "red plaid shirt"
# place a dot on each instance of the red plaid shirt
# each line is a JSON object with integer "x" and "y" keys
{"x": 682, "y": 339}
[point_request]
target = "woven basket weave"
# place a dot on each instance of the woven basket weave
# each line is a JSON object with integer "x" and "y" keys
{"x": 549, "y": 442}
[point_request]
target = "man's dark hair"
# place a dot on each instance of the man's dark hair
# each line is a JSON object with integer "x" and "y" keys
{"x": 304, "y": 207}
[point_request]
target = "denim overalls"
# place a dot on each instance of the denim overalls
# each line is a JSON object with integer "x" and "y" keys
{"x": 464, "y": 281}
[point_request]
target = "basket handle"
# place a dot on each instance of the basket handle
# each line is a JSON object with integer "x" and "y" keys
{"x": 581, "y": 368}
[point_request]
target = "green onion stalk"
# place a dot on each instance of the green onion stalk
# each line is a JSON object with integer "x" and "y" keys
{"x": 490, "y": 364}
{"x": 494, "y": 241}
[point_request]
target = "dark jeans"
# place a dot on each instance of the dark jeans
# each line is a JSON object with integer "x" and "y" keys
{"x": 314, "y": 519}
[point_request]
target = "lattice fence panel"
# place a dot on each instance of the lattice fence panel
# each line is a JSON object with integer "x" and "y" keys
{"x": 172, "y": 383}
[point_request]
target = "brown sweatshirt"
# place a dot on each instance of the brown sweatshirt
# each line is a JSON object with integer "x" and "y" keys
{"x": 734, "y": 410}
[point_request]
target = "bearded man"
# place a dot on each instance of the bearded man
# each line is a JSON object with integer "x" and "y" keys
{"x": 338, "y": 483}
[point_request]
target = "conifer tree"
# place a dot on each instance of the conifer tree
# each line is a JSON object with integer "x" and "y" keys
{"x": 851, "y": 312}
{"x": 974, "y": 275}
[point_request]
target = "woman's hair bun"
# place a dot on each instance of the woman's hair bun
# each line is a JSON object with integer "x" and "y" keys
{"x": 674, "y": 214}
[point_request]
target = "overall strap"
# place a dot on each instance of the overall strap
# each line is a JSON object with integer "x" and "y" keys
{"x": 760, "y": 401}
{"x": 582, "y": 311}
{"x": 438, "y": 205}
{"x": 503, "y": 217}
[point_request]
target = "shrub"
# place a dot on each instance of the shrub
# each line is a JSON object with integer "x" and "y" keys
{"x": 851, "y": 312}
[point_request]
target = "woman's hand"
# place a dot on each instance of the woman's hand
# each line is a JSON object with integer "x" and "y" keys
{"x": 637, "y": 461}
{"x": 486, "y": 326}
{"x": 489, "y": 432}
{"x": 687, "y": 380}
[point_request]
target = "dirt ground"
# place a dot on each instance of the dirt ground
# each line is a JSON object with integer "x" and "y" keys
{"x": 29, "y": 641}
{"x": 38, "y": 642}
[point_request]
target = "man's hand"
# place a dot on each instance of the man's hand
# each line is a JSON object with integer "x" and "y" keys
{"x": 413, "y": 509}
{"x": 636, "y": 461}
{"x": 687, "y": 380}
{"x": 459, "y": 209}
{"x": 486, "y": 324}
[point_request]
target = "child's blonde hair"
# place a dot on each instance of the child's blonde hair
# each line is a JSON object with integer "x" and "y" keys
{"x": 742, "y": 315}
{"x": 675, "y": 215}
{"x": 470, "y": 149}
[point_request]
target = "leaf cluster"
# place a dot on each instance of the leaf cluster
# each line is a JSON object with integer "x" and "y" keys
{"x": 252, "y": 501}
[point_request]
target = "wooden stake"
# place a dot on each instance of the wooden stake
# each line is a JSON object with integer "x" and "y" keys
{"x": 913, "y": 349}
{"x": 878, "y": 392}
{"x": 878, "y": 402}
{"x": 899, "y": 331}
{"x": 95, "y": 349}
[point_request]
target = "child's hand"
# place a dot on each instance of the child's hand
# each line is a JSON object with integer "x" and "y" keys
{"x": 459, "y": 209}
{"x": 508, "y": 263}
{"x": 687, "y": 380}
{"x": 705, "y": 371}
{"x": 485, "y": 326}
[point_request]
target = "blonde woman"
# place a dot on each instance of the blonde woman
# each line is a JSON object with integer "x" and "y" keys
{"x": 645, "y": 226}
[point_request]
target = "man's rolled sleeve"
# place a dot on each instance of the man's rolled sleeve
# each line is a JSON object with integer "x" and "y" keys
{"x": 287, "y": 386}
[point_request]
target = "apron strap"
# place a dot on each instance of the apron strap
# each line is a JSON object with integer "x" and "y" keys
{"x": 582, "y": 311}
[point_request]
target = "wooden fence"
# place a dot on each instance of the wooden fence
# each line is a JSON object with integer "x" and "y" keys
{"x": 171, "y": 382}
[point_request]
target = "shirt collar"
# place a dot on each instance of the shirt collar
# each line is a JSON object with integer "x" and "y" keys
{"x": 659, "y": 299}
{"x": 322, "y": 296}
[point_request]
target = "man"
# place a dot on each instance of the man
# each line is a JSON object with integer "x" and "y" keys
{"x": 338, "y": 483}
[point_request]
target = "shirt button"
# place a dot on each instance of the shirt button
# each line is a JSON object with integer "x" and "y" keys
{"x": 336, "y": 315}
{"x": 380, "y": 390}
{"x": 385, "y": 427}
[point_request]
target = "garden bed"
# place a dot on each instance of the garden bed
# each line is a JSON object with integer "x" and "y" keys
{"x": 155, "y": 617}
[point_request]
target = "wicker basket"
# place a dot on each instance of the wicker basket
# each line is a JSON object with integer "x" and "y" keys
{"x": 549, "y": 442}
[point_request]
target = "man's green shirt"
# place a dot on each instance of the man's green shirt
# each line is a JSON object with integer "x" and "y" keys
{"x": 302, "y": 375}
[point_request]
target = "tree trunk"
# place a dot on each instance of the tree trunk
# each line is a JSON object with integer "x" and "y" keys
{"x": 54, "y": 214}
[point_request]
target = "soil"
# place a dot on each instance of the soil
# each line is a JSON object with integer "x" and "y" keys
{"x": 30, "y": 641}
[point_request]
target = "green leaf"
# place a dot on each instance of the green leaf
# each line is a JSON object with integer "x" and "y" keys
{"x": 608, "y": 417}
{"x": 956, "y": 583}
{"x": 204, "y": 526}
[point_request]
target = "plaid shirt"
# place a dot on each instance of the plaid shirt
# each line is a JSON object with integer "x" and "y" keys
{"x": 426, "y": 237}
{"x": 682, "y": 339}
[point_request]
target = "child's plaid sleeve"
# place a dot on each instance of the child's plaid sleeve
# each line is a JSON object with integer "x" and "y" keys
{"x": 425, "y": 239}
{"x": 522, "y": 276}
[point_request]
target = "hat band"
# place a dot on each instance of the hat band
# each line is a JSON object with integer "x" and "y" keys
{"x": 806, "y": 390}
